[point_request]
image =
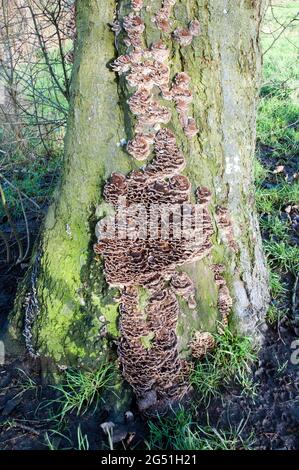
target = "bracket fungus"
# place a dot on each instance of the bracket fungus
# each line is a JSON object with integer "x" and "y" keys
{"x": 185, "y": 36}
{"x": 159, "y": 52}
{"x": 139, "y": 147}
{"x": 162, "y": 18}
{"x": 134, "y": 259}
{"x": 225, "y": 301}
{"x": 201, "y": 344}
{"x": 147, "y": 69}
{"x": 155, "y": 371}
{"x": 183, "y": 98}
{"x": 137, "y": 4}
{"x": 226, "y": 228}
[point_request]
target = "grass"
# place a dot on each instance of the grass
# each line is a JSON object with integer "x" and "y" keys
{"x": 25, "y": 384}
{"x": 273, "y": 199}
{"x": 277, "y": 228}
{"x": 80, "y": 391}
{"x": 277, "y": 287}
{"x": 282, "y": 256}
{"x": 178, "y": 431}
{"x": 53, "y": 439}
{"x": 275, "y": 314}
{"x": 278, "y": 145}
{"x": 279, "y": 105}
{"x": 275, "y": 125}
{"x": 230, "y": 360}
{"x": 260, "y": 172}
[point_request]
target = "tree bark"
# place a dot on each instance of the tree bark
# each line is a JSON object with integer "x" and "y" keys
{"x": 77, "y": 315}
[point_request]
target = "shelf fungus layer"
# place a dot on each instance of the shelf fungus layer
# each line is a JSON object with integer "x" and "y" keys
{"x": 156, "y": 228}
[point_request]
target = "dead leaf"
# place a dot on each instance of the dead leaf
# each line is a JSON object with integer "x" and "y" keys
{"x": 278, "y": 169}
{"x": 130, "y": 438}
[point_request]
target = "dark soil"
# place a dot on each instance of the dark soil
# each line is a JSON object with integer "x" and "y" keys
{"x": 11, "y": 273}
{"x": 28, "y": 415}
{"x": 25, "y": 416}
{"x": 271, "y": 418}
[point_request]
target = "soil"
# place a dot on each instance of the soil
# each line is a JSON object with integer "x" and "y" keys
{"x": 271, "y": 418}
{"x": 25, "y": 417}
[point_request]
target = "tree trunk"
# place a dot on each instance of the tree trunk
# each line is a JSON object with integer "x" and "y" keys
{"x": 71, "y": 314}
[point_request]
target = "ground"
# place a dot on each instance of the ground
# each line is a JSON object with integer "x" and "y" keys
{"x": 253, "y": 407}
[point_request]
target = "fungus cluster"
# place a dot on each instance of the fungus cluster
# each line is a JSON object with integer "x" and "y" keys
{"x": 148, "y": 348}
{"x": 134, "y": 27}
{"x": 162, "y": 18}
{"x": 183, "y": 98}
{"x": 148, "y": 344}
{"x": 134, "y": 259}
{"x": 184, "y": 36}
{"x": 226, "y": 228}
{"x": 201, "y": 344}
{"x": 225, "y": 302}
{"x": 147, "y": 70}
{"x": 137, "y": 261}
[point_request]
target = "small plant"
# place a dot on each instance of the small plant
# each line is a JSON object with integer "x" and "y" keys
{"x": 26, "y": 383}
{"x": 179, "y": 432}
{"x": 81, "y": 390}
{"x": 276, "y": 228}
{"x": 260, "y": 172}
{"x": 230, "y": 360}
{"x": 52, "y": 441}
{"x": 277, "y": 288}
{"x": 282, "y": 367}
{"x": 274, "y": 314}
{"x": 83, "y": 443}
{"x": 269, "y": 200}
{"x": 264, "y": 201}
{"x": 282, "y": 256}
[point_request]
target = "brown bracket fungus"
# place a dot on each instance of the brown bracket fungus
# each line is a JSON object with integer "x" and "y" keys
{"x": 226, "y": 228}
{"x": 183, "y": 98}
{"x": 156, "y": 228}
{"x": 185, "y": 36}
{"x": 137, "y": 4}
{"x": 201, "y": 344}
{"x": 162, "y": 18}
{"x": 153, "y": 367}
{"x": 225, "y": 302}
